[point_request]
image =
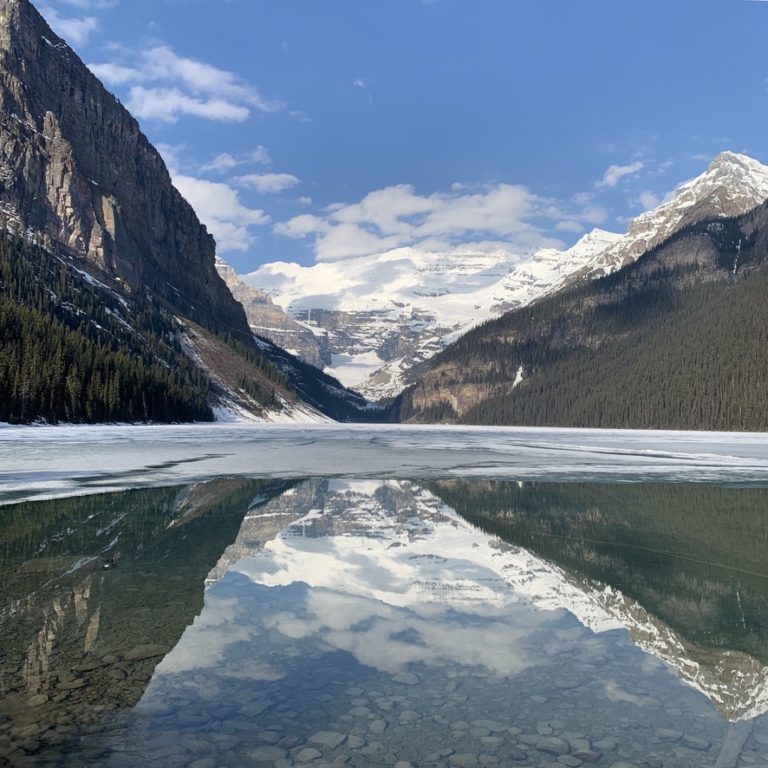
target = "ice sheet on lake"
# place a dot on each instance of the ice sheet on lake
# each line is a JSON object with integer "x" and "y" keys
{"x": 49, "y": 461}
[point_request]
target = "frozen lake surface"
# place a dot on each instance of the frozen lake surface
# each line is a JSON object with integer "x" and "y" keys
{"x": 51, "y": 461}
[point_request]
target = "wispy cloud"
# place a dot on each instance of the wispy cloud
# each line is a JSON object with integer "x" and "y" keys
{"x": 226, "y": 162}
{"x": 168, "y": 104}
{"x": 363, "y": 86}
{"x": 615, "y": 173}
{"x": 75, "y": 31}
{"x": 268, "y": 183}
{"x": 165, "y": 86}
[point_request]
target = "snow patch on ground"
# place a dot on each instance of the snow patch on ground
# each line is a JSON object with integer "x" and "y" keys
{"x": 230, "y": 412}
{"x": 352, "y": 369}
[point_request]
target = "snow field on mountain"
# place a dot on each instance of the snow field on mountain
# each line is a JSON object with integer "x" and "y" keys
{"x": 403, "y": 306}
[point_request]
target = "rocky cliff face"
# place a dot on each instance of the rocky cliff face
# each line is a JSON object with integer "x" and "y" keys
{"x": 272, "y": 322}
{"x": 78, "y": 175}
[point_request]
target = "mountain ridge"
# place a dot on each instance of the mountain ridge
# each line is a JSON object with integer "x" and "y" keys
{"x": 380, "y": 319}
{"x": 673, "y": 340}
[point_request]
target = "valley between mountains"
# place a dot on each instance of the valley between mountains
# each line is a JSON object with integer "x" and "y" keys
{"x": 662, "y": 327}
{"x": 116, "y": 308}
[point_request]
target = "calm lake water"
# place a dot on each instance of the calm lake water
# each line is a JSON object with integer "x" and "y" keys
{"x": 433, "y": 621}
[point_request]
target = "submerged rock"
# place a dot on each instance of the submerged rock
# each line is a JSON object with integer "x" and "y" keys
{"x": 329, "y": 739}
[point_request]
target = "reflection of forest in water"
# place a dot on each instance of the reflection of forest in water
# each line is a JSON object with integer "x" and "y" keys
{"x": 695, "y": 556}
{"x": 94, "y": 590}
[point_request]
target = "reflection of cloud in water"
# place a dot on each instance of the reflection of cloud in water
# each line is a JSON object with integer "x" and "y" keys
{"x": 207, "y": 643}
{"x": 502, "y": 640}
{"x": 237, "y": 637}
{"x": 386, "y": 573}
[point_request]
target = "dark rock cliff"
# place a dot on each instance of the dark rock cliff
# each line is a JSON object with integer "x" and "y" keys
{"x": 79, "y": 175}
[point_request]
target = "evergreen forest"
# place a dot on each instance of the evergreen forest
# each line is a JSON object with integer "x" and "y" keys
{"x": 72, "y": 350}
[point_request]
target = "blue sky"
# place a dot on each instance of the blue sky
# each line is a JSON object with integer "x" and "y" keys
{"x": 325, "y": 129}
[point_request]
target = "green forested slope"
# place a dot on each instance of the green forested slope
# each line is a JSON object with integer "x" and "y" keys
{"x": 71, "y": 350}
{"x": 699, "y": 359}
{"x": 677, "y": 340}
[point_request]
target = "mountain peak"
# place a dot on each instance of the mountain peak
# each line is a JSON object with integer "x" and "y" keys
{"x": 597, "y": 237}
{"x": 744, "y": 178}
{"x": 729, "y": 158}
{"x": 732, "y": 185}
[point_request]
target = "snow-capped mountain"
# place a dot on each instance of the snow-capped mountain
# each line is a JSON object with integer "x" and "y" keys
{"x": 732, "y": 185}
{"x": 380, "y": 316}
{"x": 399, "y": 545}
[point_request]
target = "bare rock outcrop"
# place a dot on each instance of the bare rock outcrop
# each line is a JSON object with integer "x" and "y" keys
{"x": 80, "y": 177}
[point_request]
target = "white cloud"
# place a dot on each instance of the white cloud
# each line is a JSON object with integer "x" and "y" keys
{"x": 220, "y": 164}
{"x": 219, "y": 207}
{"x": 168, "y": 104}
{"x": 569, "y": 226}
{"x": 75, "y": 31}
{"x": 647, "y": 200}
{"x": 227, "y": 162}
{"x": 268, "y": 183}
{"x": 165, "y": 86}
{"x": 301, "y": 226}
{"x": 594, "y": 215}
{"x": 162, "y": 63}
{"x": 259, "y": 155}
{"x": 397, "y": 216}
{"x": 115, "y": 74}
{"x": 615, "y": 173}
{"x": 344, "y": 241}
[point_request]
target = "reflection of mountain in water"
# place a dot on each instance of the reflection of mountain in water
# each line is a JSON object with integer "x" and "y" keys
{"x": 593, "y": 550}
{"x": 94, "y": 590}
{"x": 682, "y": 567}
